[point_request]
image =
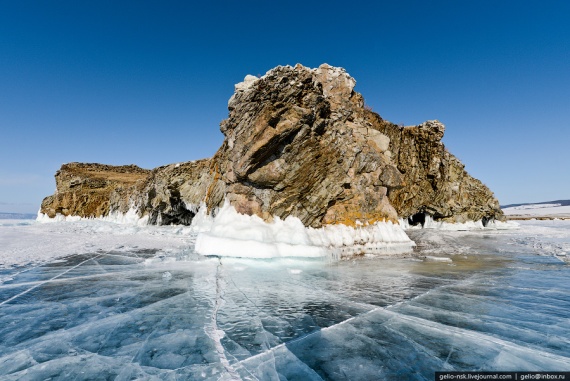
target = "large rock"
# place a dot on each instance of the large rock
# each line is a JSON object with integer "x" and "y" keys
{"x": 298, "y": 142}
{"x": 296, "y": 145}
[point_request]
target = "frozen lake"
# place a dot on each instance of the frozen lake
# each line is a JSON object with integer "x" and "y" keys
{"x": 131, "y": 303}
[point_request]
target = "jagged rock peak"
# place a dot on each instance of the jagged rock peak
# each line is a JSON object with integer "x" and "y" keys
{"x": 437, "y": 128}
{"x": 297, "y": 144}
{"x": 335, "y": 82}
{"x": 324, "y": 74}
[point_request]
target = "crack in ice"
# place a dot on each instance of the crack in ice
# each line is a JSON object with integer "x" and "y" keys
{"x": 373, "y": 310}
{"x": 49, "y": 280}
{"x": 216, "y": 334}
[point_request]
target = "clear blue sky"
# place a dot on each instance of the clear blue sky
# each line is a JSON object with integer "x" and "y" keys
{"x": 147, "y": 82}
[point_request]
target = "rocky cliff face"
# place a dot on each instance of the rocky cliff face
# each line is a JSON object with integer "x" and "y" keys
{"x": 298, "y": 142}
{"x": 434, "y": 181}
{"x": 92, "y": 190}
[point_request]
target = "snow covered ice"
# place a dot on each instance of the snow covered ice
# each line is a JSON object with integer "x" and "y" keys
{"x": 100, "y": 301}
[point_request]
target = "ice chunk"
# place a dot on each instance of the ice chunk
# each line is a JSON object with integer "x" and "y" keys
{"x": 167, "y": 275}
{"x": 237, "y": 235}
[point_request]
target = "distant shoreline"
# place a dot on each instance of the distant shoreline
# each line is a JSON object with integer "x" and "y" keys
{"x": 548, "y": 210}
{"x": 17, "y": 216}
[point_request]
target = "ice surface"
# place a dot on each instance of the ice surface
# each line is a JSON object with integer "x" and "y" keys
{"x": 15, "y": 222}
{"x": 31, "y": 242}
{"x": 138, "y": 302}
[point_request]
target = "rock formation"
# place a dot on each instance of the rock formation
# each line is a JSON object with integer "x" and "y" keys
{"x": 92, "y": 190}
{"x": 298, "y": 142}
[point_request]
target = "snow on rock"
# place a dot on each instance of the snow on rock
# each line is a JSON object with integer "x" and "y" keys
{"x": 238, "y": 235}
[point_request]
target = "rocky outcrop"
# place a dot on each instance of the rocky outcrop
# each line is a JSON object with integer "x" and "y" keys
{"x": 296, "y": 145}
{"x": 172, "y": 194}
{"x": 92, "y": 190}
{"x": 434, "y": 181}
{"x": 298, "y": 142}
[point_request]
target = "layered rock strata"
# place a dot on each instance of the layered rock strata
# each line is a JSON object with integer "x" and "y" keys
{"x": 298, "y": 142}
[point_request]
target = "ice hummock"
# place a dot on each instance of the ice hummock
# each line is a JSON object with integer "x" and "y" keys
{"x": 233, "y": 234}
